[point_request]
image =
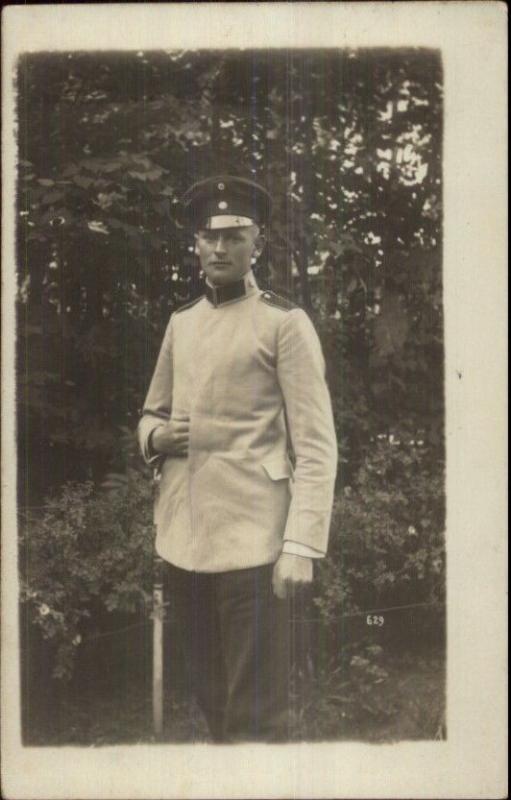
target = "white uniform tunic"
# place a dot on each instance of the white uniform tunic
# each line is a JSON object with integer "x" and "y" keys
{"x": 249, "y": 376}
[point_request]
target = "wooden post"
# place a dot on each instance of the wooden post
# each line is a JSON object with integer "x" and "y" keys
{"x": 158, "y": 616}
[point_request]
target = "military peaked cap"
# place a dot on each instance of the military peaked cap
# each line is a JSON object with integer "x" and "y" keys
{"x": 226, "y": 201}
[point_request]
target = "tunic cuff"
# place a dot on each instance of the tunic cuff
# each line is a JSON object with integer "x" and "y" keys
{"x": 146, "y": 429}
{"x": 298, "y": 549}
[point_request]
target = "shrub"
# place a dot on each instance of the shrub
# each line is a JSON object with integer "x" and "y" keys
{"x": 387, "y": 534}
{"x": 89, "y": 555}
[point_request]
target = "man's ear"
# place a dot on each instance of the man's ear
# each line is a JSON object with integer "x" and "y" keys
{"x": 196, "y": 244}
{"x": 259, "y": 244}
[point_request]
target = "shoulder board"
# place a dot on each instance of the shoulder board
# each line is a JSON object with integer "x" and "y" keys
{"x": 188, "y": 305}
{"x": 278, "y": 301}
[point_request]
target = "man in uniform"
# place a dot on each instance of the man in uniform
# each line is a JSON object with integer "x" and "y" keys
{"x": 238, "y": 422}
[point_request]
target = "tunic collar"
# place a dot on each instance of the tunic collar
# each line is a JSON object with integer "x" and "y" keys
{"x": 219, "y": 295}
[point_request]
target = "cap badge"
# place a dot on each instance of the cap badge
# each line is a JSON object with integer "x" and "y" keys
{"x": 222, "y": 204}
{"x": 221, "y": 186}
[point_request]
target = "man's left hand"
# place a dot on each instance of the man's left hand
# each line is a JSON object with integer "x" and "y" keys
{"x": 289, "y": 573}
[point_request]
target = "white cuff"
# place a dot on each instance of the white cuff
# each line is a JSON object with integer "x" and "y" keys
{"x": 150, "y": 455}
{"x": 297, "y": 549}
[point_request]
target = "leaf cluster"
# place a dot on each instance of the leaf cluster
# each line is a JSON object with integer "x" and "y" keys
{"x": 88, "y": 555}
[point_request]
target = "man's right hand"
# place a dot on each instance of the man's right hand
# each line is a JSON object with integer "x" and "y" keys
{"x": 172, "y": 439}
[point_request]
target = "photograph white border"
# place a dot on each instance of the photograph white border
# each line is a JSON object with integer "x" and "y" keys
{"x": 472, "y": 762}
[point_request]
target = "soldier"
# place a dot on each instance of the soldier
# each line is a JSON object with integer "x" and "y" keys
{"x": 238, "y": 421}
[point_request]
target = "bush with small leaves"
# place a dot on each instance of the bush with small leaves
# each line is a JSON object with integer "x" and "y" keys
{"x": 89, "y": 554}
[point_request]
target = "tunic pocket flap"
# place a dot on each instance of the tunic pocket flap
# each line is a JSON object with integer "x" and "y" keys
{"x": 278, "y": 468}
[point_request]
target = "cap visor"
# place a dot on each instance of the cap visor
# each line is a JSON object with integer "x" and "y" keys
{"x": 226, "y": 221}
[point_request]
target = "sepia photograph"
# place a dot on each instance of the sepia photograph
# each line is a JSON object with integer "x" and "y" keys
{"x": 284, "y": 211}
{"x": 229, "y": 377}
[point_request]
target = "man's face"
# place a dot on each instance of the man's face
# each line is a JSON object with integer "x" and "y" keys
{"x": 226, "y": 254}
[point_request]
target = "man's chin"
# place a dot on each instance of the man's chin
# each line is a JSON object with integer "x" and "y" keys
{"x": 221, "y": 277}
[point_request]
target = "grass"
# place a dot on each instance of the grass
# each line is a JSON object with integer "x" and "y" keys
{"x": 393, "y": 698}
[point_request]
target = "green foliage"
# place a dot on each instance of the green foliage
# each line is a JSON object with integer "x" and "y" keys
{"x": 88, "y": 555}
{"x": 387, "y": 535}
{"x": 374, "y": 697}
{"x": 350, "y": 693}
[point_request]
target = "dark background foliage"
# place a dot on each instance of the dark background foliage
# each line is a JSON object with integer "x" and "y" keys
{"x": 349, "y": 144}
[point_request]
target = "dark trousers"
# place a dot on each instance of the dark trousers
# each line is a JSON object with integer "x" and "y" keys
{"x": 237, "y": 642}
